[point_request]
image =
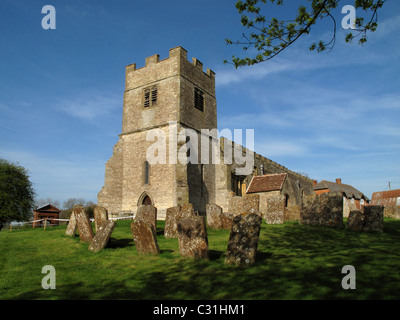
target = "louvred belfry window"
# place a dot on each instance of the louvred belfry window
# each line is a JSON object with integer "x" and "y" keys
{"x": 198, "y": 99}
{"x": 150, "y": 97}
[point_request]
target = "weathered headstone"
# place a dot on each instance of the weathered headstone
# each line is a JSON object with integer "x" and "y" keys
{"x": 373, "y": 220}
{"x": 145, "y": 238}
{"x": 227, "y": 220}
{"x": 83, "y": 223}
{"x": 275, "y": 210}
{"x": 170, "y": 229}
{"x": 193, "y": 242}
{"x": 355, "y": 221}
{"x": 214, "y": 212}
{"x": 147, "y": 213}
{"x": 102, "y": 236}
{"x": 323, "y": 210}
{"x": 186, "y": 211}
{"x": 243, "y": 240}
{"x": 71, "y": 228}
{"x": 100, "y": 216}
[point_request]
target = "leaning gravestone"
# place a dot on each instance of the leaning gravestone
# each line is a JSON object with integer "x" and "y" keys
{"x": 355, "y": 221}
{"x": 373, "y": 220}
{"x": 243, "y": 240}
{"x": 323, "y": 210}
{"x": 193, "y": 242}
{"x": 102, "y": 236}
{"x": 147, "y": 213}
{"x": 100, "y": 216}
{"x": 83, "y": 223}
{"x": 170, "y": 229}
{"x": 145, "y": 238}
{"x": 71, "y": 228}
{"x": 214, "y": 212}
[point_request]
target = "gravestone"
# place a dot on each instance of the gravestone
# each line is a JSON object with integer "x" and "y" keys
{"x": 323, "y": 210}
{"x": 186, "y": 211}
{"x": 71, "y": 228}
{"x": 226, "y": 220}
{"x": 100, "y": 216}
{"x": 102, "y": 236}
{"x": 214, "y": 212}
{"x": 355, "y": 221}
{"x": 83, "y": 223}
{"x": 275, "y": 210}
{"x": 144, "y": 236}
{"x": 170, "y": 229}
{"x": 193, "y": 242}
{"x": 373, "y": 218}
{"x": 243, "y": 240}
{"x": 147, "y": 213}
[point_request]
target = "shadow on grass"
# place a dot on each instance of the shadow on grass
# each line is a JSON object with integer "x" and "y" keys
{"x": 120, "y": 243}
{"x": 293, "y": 262}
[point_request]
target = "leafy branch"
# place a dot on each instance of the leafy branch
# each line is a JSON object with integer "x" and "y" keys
{"x": 272, "y": 37}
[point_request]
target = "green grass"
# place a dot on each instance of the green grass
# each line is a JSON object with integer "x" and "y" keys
{"x": 293, "y": 262}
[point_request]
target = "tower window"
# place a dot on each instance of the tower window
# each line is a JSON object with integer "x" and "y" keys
{"x": 150, "y": 97}
{"x": 146, "y": 172}
{"x": 198, "y": 99}
{"x": 201, "y": 180}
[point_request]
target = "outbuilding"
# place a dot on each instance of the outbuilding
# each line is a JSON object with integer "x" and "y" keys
{"x": 47, "y": 212}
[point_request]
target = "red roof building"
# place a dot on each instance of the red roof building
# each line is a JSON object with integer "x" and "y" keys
{"x": 266, "y": 183}
{"x": 389, "y": 198}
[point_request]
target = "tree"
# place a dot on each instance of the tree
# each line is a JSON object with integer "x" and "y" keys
{"x": 68, "y": 204}
{"x": 270, "y": 38}
{"x": 71, "y": 202}
{"x": 16, "y": 193}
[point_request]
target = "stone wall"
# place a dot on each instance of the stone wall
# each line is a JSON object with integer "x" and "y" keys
{"x": 296, "y": 186}
{"x": 392, "y": 212}
{"x": 246, "y": 204}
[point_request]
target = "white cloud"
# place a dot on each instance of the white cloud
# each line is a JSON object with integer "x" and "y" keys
{"x": 271, "y": 147}
{"x": 91, "y": 105}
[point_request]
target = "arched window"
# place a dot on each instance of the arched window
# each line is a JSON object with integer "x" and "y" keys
{"x": 146, "y": 172}
{"x": 146, "y": 200}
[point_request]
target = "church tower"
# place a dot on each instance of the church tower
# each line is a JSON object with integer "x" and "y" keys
{"x": 162, "y": 100}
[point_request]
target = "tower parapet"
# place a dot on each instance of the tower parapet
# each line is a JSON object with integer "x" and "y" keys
{"x": 172, "y": 89}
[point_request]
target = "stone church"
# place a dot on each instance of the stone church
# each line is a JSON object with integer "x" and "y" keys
{"x": 169, "y": 97}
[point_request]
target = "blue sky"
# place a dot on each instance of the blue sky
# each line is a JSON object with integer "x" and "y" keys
{"x": 331, "y": 116}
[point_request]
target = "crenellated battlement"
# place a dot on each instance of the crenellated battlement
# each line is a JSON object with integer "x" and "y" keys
{"x": 177, "y": 54}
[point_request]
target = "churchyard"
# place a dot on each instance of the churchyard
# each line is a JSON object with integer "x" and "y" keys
{"x": 292, "y": 261}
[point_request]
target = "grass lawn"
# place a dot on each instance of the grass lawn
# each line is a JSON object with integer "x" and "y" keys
{"x": 293, "y": 262}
